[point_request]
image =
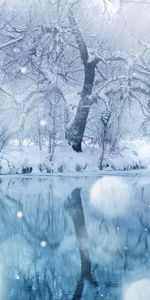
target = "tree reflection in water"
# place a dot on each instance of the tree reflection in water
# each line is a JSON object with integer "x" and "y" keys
{"x": 77, "y": 214}
{"x": 55, "y": 245}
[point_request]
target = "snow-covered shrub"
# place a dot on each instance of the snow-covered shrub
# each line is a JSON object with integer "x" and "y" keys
{"x": 60, "y": 168}
{"x": 26, "y": 168}
{"x": 14, "y": 169}
{"x": 125, "y": 158}
{"x": 80, "y": 167}
{"x": 41, "y": 167}
{"x": 46, "y": 167}
{"x": 4, "y": 166}
{"x": 49, "y": 169}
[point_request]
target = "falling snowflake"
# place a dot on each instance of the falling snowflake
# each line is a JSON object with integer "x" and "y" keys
{"x": 17, "y": 277}
{"x": 19, "y": 214}
{"x": 43, "y": 244}
{"x": 23, "y": 70}
{"x": 43, "y": 122}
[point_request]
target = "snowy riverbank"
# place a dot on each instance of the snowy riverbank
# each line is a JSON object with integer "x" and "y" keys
{"x": 29, "y": 159}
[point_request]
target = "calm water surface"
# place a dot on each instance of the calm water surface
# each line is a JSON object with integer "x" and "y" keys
{"x": 74, "y": 238}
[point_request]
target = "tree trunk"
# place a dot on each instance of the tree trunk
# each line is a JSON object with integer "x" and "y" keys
{"x": 76, "y": 211}
{"x": 75, "y": 133}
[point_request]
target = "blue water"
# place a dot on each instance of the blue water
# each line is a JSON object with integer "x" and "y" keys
{"x": 59, "y": 242}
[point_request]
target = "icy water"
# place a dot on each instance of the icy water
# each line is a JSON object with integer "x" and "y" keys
{"x": 75, "y": 238}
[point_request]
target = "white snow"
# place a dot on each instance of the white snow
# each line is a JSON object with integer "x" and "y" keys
{"x": 139, "y": 289}
{"x": 130, "y": 155}
{"x": 111, "y": 197}
{"x": 23, "y": 70}
{"x": 43, "y": 244}
{"x": 19, "y": 214}
{"x": 43, "y": 123}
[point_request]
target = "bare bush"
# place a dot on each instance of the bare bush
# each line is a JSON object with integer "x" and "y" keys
{"x": 4, "y": 137}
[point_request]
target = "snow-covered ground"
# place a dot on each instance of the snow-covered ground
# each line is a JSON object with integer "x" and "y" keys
{"x": 130, "y": 155}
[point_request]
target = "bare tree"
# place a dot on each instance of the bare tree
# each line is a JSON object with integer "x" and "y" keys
{"x": 74, "y": 134}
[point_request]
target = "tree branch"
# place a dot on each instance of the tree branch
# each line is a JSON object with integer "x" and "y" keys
{"x": 11, "y": 42}
{"x": 78, "y": 36}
